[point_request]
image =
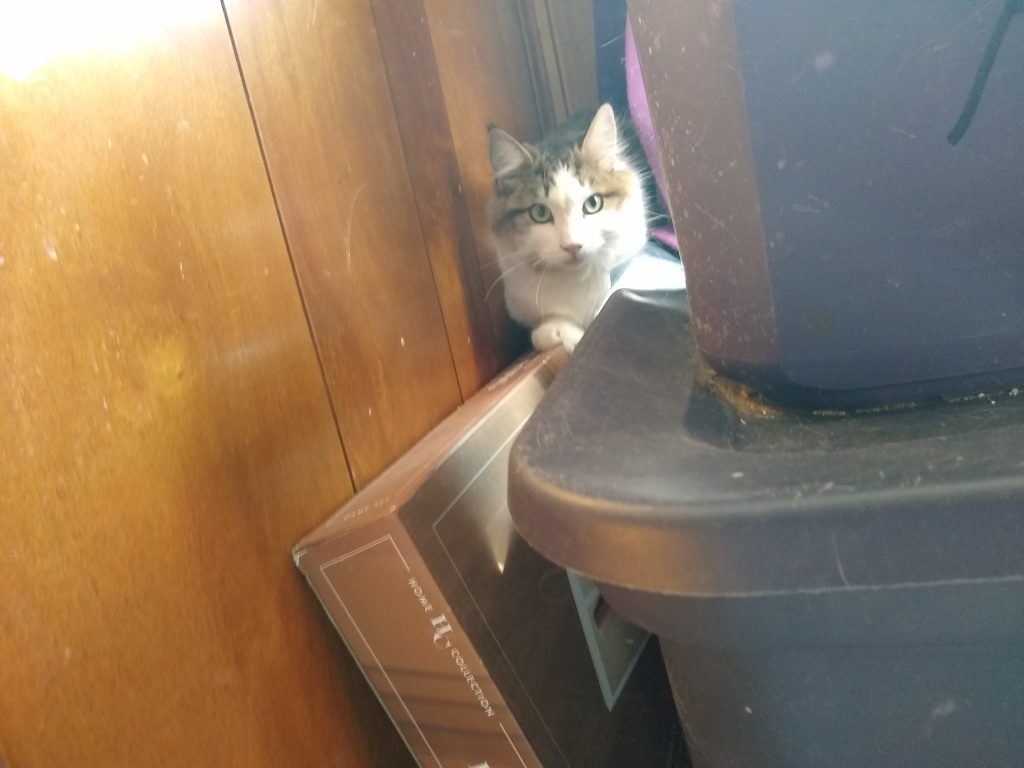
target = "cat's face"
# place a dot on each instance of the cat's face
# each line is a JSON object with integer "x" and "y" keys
{"x": 575, "y": 206}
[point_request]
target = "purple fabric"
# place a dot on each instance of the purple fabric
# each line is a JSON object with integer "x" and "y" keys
{"x": 640, "y": 112}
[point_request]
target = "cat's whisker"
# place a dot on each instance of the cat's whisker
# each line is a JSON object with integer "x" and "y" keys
{"x": 502, "y": 276}
{"x": 540, "y": 282}
{"x": 508, "y": 258}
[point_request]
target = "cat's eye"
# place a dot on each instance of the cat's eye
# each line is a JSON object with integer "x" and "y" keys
{"x": 540, "y": 213}
{"x": 593, "y": 204}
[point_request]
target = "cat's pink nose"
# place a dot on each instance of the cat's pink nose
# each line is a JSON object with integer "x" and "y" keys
{"x": 573, "y": 249}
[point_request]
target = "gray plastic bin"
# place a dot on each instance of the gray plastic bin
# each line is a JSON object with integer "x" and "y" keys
{"x": 846, "y": 178}
{"x": 828, "y": 590}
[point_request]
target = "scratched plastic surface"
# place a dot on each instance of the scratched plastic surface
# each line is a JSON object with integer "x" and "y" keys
{"x": 886, "y": 152}
{"x": 829, "y": 590}
{"x": 633, "y": 452}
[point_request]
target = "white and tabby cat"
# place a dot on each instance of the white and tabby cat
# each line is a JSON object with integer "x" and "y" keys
{"x": 565, "y": 212}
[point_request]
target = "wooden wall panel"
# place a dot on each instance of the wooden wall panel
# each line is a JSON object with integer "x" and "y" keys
{"x": 320, "y": 96}
{"x": 484, "y": 66}
{"x": 436, "y": 178}
{"x": 165, "y": 434}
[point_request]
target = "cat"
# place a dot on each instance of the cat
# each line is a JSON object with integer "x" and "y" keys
{"x": 564, "y": 213}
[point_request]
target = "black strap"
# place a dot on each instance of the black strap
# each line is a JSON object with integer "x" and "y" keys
{"x": 1011, "y": 9}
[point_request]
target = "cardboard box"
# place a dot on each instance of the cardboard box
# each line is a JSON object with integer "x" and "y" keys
{"x": 484, "y": 654}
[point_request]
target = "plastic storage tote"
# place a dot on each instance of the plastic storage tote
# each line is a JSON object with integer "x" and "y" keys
{"x": 829, "y": 591}
{"x": 847, "y": 183}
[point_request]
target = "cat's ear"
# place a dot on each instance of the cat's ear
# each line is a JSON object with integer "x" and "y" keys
{"x": 506, "y": 153}
{"x": 602, "y": 139}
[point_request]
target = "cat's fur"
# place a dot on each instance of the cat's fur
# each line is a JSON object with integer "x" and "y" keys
{"x": 556, "y": 273}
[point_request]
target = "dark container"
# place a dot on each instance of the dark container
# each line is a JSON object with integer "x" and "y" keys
{"x": 829, "y": 591}
{"x": 847, "y": 183}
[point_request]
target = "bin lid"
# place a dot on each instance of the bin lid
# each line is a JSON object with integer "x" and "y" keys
{"x": 640, "y": 470}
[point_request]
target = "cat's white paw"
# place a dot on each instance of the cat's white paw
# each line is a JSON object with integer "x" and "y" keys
{"x": 552, "y": 333}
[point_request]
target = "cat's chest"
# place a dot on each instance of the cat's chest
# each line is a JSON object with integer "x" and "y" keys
{"x": 540, "y": 294}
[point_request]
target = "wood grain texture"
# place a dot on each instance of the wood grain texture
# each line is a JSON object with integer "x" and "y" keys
{"x": 320, "y": 96}
{"x": 165, "y": 433}
{"x": 436, "y": 178}
{"x": 484, "y": 66}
